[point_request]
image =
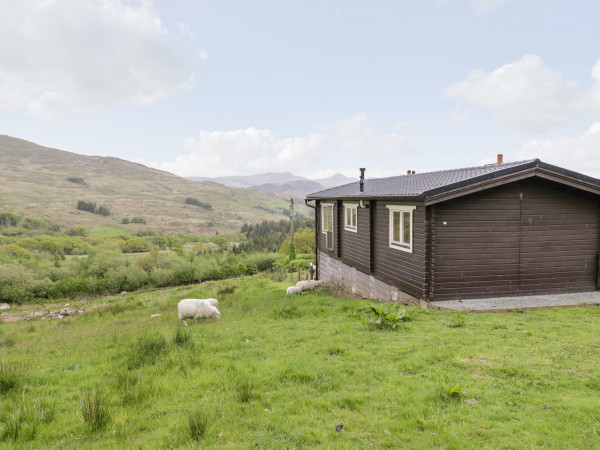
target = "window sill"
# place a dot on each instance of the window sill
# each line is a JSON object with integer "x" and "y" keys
{"x": 404, "y": 248}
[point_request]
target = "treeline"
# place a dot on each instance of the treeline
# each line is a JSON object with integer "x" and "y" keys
{"x": 12, "y": 224}
{"x": 26, "y": 277}
{"x": 195, "y": 202}
{"x": 269, "y": 235}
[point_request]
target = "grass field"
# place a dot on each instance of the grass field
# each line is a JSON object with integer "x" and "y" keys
{"x": 281, "y": 371}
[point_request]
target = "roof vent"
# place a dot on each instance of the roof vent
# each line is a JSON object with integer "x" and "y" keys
{"x": 362, "y": 179}
{"x": 408, "y": 172}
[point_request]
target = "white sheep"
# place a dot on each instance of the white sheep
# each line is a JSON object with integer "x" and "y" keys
{"x": 194, "y": 308}
{"x": 293, "y": 290}
{"x": 308, "y": 285}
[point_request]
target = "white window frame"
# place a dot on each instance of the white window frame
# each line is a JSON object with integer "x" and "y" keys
{"x": 351, "y": 212}
{"x": 402, "y": 209}
{"x": 324, "y": 230}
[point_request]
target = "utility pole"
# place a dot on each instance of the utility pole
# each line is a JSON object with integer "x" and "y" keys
{"x": 292, "y": 217}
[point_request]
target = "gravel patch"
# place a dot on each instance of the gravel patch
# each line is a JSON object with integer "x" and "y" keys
{"x": 521, "y": 303}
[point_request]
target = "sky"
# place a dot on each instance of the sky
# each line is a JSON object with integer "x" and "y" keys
{"x": 218, "y": 87}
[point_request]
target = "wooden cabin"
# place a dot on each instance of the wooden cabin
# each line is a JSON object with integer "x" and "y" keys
{"x": 505, "y": 229}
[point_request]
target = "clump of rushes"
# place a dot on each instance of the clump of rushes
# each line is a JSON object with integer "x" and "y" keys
{"x": 197, "y": 425}
{"x": 11, "y": 377}
{"x": 146, "y": 350}
{"x": 95, "y": 410}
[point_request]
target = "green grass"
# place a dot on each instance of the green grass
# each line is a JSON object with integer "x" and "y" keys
{"x": 280, "y": 371}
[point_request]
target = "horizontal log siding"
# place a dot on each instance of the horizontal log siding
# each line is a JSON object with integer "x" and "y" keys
{"x": 396, "y": 267}
{"x": 354, "y": 247}
{"x": 476, "y": 245}
{"x": 559, "y": 239}
{"x": 496, "y": 244}
{"x": 322, "y": 240}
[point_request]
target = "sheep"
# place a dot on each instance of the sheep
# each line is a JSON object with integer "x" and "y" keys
{"x": 293, "y": 290}
{"x": 308, "y": 285}
{"x": 193, "y": 308}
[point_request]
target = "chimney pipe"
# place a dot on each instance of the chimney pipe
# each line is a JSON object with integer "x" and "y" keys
{"x": 413, "y": 172}
{"x": 408, "y": 172}
{"x": 362, "y": 179}
{"x": 500, "y": 158}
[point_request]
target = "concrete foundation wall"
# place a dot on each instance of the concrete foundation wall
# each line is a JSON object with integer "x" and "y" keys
{"x": 336, "y": 273}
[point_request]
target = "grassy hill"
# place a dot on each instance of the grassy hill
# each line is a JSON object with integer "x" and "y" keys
{"x": 35, "y": 183}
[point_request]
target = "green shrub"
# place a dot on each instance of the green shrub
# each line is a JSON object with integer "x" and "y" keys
{"x": 103, "y": 211}
{"x": 78, "y": 230}
{"x": 138, "y": 219}
{"x": 82, "y": 205}
{"x": 387, "y": 316}
{"x": 125, "y": 220}
{"x": 134, "y": 245}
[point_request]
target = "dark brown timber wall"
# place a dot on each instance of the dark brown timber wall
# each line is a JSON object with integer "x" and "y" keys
{"x": 396, "y": 267}
{"x": 354, "y": 246}
{"x": 528, "y": 237}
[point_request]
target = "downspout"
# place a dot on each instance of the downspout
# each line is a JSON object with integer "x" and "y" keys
{"x": 316, "y": 236}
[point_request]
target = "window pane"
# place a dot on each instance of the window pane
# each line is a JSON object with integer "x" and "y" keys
{"x": 396, "y": 226}
{"x": 406, "y": 227}
{"x": 354, "y": 211}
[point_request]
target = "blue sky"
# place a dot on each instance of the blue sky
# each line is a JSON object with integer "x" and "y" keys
{"x": 212, "y": 88}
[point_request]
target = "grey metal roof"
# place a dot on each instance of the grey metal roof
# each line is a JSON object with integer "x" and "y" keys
{"x": 431, "y": 183}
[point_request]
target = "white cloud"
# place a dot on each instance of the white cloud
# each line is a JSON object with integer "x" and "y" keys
{"x": 525, "y": 95}
{"x": 62, "y": 58}
{"x": 484, "y": 6}
{"x": 343, "y": 145}
{"x": 581, "y": 154}
{"x": 222, "y": 153}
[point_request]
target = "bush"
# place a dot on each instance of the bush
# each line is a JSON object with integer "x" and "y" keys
{"x": 387, "y": 317}
{"x": 79, "y": 230}
{"x": 138, "y": 219}
{"x": 125, "y": 220}
{"x": 134, "y": 245}
{"x": 76, "y": 180}
{"x": 82, "y": 205}
{"x": 103, "y": 211}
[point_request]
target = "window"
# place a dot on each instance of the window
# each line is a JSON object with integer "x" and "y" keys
{"x": 351, "y": 216}
{"x": 327, "y": 224}
{"x": 401, "y": 220}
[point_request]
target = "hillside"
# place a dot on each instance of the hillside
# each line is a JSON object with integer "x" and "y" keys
{"x": 35, "y": 183}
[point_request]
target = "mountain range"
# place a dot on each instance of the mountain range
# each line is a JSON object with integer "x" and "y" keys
{"x": 280, "y": 182}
